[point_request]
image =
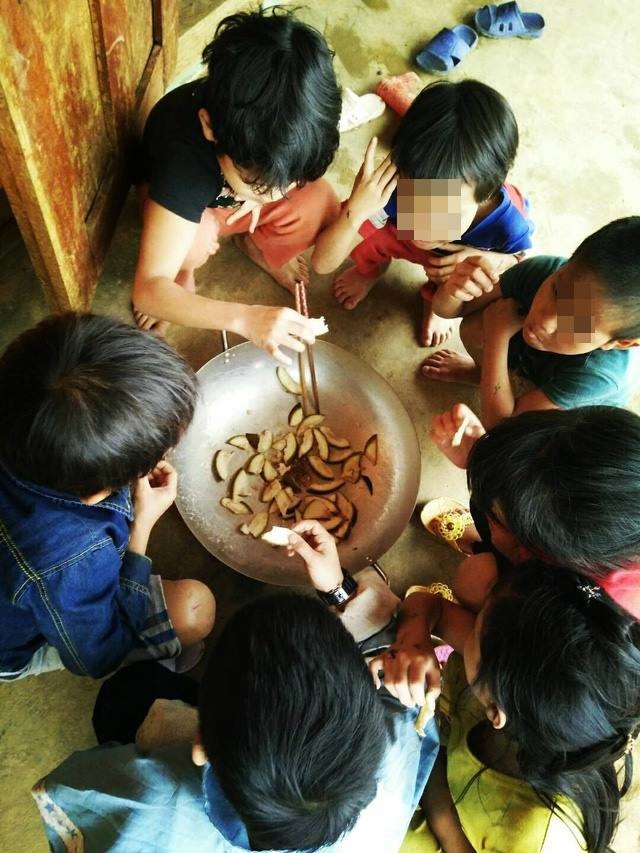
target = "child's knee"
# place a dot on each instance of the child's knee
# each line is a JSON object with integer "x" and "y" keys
{"x": 192, "y": 608}
{"x": 473, "y": 580}
{"x": 471, "y": 331}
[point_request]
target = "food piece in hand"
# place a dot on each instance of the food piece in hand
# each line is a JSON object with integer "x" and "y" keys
{"x": 287, "y": 381}
{"x": 277, "y": 536}
{"x": 318, "y": 326}
{"x": 221, "y": 463}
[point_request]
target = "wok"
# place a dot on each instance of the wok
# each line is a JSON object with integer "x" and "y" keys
{"x": 239, "y": 393}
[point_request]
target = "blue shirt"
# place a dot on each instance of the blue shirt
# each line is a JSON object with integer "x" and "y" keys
{"x": 506, "y": 229}
{"x": 67, "y": 578}
{"x": 122, "y": 801}
{"x": 600, "y": 377}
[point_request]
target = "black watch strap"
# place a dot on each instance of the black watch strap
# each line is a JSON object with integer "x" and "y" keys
{"x": 339, "y": 596}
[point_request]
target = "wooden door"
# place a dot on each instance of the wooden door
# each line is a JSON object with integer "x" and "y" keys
{"x": 77, "y": 79}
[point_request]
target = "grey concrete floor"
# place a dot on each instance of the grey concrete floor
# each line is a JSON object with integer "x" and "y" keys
{"x": 576, "y": 94}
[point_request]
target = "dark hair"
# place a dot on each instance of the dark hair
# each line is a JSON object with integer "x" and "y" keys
{"x": 272, "y": 97}
{"x": 90, "y": 403}
{"x": 458, "y": 130}
{"x": 563, "y": 663}
{"x": 291, "y": 723}
{"x": 566, "y": 484}
{"x": 612, "y": 254}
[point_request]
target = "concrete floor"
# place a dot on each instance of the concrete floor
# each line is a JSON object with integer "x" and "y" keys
{"x": 576, "y": 98}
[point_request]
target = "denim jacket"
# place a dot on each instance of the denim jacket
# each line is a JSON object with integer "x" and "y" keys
{"x": 67, "y": 579}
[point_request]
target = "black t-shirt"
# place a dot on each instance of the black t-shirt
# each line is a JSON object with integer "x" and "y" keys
{"x": 176, "y": 160}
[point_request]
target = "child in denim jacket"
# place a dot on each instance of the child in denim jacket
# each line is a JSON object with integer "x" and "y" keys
{"x": 90, "y": 406}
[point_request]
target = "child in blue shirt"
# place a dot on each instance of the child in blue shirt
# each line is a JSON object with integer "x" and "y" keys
{"x": 90, "y": 406}
{"x": 439, "y": 197}
{"x": 569, "y": 327}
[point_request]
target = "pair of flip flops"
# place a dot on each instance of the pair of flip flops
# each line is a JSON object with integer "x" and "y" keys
{"x": 448, "y": 48}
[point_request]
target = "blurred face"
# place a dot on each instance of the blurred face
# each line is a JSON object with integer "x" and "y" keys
{"x": 434, "y": 212}
{"x": 502, "y": 538}
{"x": 568, "y": 315}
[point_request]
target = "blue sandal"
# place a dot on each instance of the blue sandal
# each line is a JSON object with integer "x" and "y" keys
{"x": 507, "y": 21}
{"x": 447, "y": 50}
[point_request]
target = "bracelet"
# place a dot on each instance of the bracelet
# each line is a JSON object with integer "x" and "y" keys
{"x": 435, "y": 588}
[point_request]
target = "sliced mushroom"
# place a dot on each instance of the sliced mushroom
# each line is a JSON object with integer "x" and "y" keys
{"x": 333, "y": 439}
{"x": 265, "y": 441}
{"x": 327, "y": 486}
{"x": 287, "y": 381}
{"x": 244, "y": 528}
{"x": 305, "y": 443}
{"x": 332, "y": 523}
{"x": 279, "y": 444}
{"x": 309, "y": 422}
{"x": 351, "y": 468}
{"x": 240, "y": 441}
{"x": 241, "y": 486}
{"x": 282, "y": 500}
{"x": 316, "y": 509}
{"x": 371, "y": 449}
{"x": 320, "y": 467}
{"x": 337, "y": 454}
{"x": 367, "y": 481}
{"x": 290, "y": 447}
{"x": 256, "y": 463}
{"x": 269, "y": 471}
{"x": 258, "y": 524}
{"x": 322, "y": 444}
{"x": 270, "y": 491}
{"x": 295, "y": 415}
{"x": 236, "y": 507}
{"x": 329, "y": 502}
{"x": 343, "y": 531}
{"x": 345, "y": 507}
{"x": 221, "y": 462}
{"x": 277, "y": 536}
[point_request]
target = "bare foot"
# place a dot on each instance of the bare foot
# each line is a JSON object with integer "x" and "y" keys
{"x": 434, "y": 330}
{"x": 351, "y": 287}
{"x": 449, "y": 366}
{"x": 150, "y": 324}
{"x": 287, "y": 275}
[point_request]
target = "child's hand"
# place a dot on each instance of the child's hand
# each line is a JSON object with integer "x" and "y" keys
{"x": 502, "y": 317}
{"x": 372, "y": 187}
{"x": 247, "y": 206}
{"x": 439, "y": 267}
{"x": 318, "y": 549}
{"x": 409, "y": 671}
{"x": 471, "y": 278}
{"x": 446, "y": 426}
{"x": 154, "y": 493}
{"x": 271, "y": 328}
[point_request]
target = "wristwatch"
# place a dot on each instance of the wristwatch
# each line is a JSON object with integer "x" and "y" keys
{"x": 339, "y": 596}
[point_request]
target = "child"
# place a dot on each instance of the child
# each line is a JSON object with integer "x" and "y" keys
{"x": 452, "y": 152}
{"x": 566, "y": 326}
{"x": 90, "y": 405}
{"x": 303, "y": 754}
{"x": 528, "y": 752}
{"x": 563, "y": 486}
{"x": 258, "y": 133}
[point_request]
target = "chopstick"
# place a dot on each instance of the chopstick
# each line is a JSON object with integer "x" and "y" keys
{"x": 303, "y": 308}
{"x": 301, "y": 367}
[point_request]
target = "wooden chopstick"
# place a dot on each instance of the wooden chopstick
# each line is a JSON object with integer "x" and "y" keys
{"x": 301, "y": 366}
{"x": 301, "y": 299}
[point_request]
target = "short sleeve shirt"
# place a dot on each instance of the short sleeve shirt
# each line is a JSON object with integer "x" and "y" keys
{"x": 600, "y": 377}
{"x": 175, "y": 159}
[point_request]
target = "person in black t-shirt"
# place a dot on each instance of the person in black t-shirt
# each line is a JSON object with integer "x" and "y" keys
{"x": 241, "y": 151}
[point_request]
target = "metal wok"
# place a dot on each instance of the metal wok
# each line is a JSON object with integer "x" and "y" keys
{"x": 239, "y": 393}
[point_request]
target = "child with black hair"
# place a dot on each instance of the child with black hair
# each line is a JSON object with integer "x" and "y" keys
{"x": 566, "y": 326}
{"x": 561, "y": 486}
{"x": 295, "y": 751}
{"x": 90, "y": 406}
{"x": 449, "y": 161}
{"x": 534, "y": 716}
{"x": 257, "y": 133}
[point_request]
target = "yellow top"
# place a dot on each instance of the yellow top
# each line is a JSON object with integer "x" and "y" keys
{"x": 499, "y": 813}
